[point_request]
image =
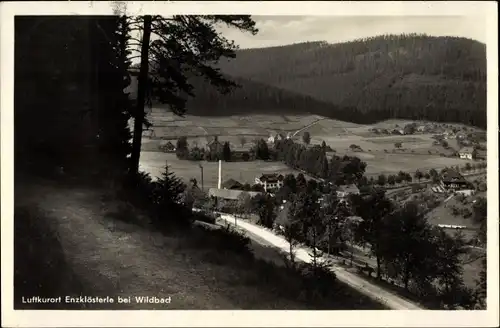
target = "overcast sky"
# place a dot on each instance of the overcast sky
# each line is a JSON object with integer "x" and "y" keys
{"x": 280, "y": 30}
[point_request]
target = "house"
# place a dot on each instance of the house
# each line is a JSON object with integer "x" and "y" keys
{"x": 270, "y": 182}
{"x": 168, "y": 147}
{"x": 408, "y": 129}
{"x": 232, "y": 184}
{"x": 227, "y": 194}
{"x": 271, "y": 139}
{"x": 467, "y": 153}
{"x": 449, "y": 134}
{"x": 347, "y": 190}
{"x": 215, "y": 146}
{"x": 451, "y": 179}
{"x": 276, "y": 137}
{"x": 421, "y": 128}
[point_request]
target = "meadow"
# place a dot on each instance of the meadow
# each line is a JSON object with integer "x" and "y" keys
{"x": 244, "y": 172}
{"x": 379, "y": 152}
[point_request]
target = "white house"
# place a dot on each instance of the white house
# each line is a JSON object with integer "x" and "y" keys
{"x": 274, "y": 138}
{"x": 467, "y": 153}
{"x": 271, "y": 139}
{"x": 270, "y": 182}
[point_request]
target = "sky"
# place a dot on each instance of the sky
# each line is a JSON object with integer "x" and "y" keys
{"x": 281, "y": 30}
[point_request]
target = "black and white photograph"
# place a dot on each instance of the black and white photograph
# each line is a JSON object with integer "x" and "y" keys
{"x": 250, "y": 160}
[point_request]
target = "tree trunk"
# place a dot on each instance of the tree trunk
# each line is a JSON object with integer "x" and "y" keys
{"x": 141, "y": 96}
{"x": 378, "y": 267}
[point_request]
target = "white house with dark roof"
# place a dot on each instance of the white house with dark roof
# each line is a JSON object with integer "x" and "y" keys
{"x": 270, "y": 182}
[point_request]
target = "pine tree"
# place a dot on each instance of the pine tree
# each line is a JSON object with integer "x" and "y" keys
{"x": 168, "y": 196}
{"x": 185, "y": 46}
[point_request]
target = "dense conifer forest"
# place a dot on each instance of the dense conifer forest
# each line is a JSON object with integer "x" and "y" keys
{"x": 391, "y": 76}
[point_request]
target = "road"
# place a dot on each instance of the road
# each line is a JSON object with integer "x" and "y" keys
{"x": 307, "y": 126}
{"x": 392, "y": 300}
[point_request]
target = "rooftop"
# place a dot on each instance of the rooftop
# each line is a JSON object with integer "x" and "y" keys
{"x": 451, "y": 175}
{"x": 271, "y": 177}
{"x": 231, "y": 183}
{"x": 467, "y": 150}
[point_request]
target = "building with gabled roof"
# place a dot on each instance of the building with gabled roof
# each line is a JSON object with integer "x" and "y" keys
{"x": 270, "y": 181}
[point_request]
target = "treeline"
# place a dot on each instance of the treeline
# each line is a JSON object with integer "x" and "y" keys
{"x": 65, "y": 120}
{"x": 222, "y": 151}
{"x": 392, "y": 76}
{"x": 314, "y": 161}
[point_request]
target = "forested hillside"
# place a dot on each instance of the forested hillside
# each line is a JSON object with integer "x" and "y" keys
{"x": 363, "y": 81}
{"x": 407, "y": 76}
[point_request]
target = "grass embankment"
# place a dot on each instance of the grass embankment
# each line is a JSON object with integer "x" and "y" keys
{"x": 40, "y": 266}
{"x": 80, "y": 242}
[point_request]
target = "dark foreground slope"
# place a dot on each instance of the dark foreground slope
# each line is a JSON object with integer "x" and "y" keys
{"x": 78, "y": 240}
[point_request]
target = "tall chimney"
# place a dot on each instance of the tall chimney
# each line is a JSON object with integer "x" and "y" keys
{"x": 219, "y": 185}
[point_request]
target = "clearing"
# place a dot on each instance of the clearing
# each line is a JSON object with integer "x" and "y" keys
{"x": 245, "y": 172}
{"x": 417, "y": 152}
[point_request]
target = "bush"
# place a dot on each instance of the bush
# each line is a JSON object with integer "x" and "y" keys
{"x": 224, "y": 239}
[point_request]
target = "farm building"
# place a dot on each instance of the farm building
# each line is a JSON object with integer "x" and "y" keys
{"x": 467, "y": 153}
{"x": 215, "y": 146}
{"x": 451, "y": 179}
{"x": 271, "y": 181}
{"x": 347, "y": 190}
{"x": 227, "y": 194}
{"x": 276, "y": 137}
{"x": 168, "y": 147}
{"x": 232, "y": 184}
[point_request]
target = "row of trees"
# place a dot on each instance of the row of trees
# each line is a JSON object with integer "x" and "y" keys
{"x": 223, "y": 151}
{"x": 313, "y": 160}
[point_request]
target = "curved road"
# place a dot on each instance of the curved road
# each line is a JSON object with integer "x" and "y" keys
{"x": 389, "y": 298}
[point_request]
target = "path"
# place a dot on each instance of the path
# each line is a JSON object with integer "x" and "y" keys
{"x": 392, "y": 300}
{"x": 307, "y": 126}
{"x": 113, "y": 258}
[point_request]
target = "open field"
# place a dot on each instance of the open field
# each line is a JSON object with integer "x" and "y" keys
{"x": 443, "y": 213}
{"x": 154, "y": 163}
{"x": 391, "y": 163}
{"x": 418, "y": 151}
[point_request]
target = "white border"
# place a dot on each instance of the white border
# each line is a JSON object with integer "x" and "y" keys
{"x": 482, "y": 10}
